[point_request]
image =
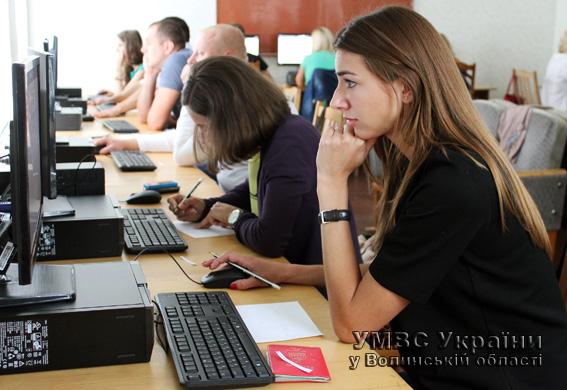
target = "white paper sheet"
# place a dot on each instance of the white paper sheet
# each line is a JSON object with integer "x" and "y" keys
{"x": 190, "y": 229}
{"x": 271, "y": 322}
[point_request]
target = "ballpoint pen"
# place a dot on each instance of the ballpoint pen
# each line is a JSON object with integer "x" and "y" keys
{"x": 188, "y": 194}
{"x": 247, "y": 271}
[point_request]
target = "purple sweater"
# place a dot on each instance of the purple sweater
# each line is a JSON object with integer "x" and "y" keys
{"x": 287, "y": 197}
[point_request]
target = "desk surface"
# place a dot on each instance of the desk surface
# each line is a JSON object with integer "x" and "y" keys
{"x": 164, "y": 276}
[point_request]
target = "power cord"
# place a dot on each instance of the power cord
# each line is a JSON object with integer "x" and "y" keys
{"x": 84, "y": 159}
{"x": 172, "y": 258}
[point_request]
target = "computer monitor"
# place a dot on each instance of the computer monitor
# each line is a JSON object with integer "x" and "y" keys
{"x": 50, "y": 283}
{"x": 25, "y": 164}
{"x": 293, "y": 48}
{"x": 47, "y": 122}
{"x": 53, "y": 51}
{"x": 252, "y": 43}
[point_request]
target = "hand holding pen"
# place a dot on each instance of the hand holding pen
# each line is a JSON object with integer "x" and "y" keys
{"x": 187, "y": 208}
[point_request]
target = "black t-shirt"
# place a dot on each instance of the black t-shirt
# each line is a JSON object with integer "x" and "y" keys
{"x": 476, "y": 294}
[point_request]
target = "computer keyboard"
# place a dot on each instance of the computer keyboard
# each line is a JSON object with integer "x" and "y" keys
{"x": 105, "y": 106}
{"x": 150, "y": 229}
{"x": 120, "y": 126}
{"x": 209, "y": 343}
{"x": 131, "y": 160}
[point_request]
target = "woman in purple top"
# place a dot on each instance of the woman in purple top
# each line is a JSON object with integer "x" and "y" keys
{"x": 238, "y": 116}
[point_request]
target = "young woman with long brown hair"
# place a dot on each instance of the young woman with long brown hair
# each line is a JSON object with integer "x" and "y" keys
{"x": 129, "y": 73}
{"x": 462, "y": 252}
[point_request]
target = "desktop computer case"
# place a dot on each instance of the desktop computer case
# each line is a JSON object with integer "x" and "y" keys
{"x": 110, "y": 322}
{"x": 96, "y": 230}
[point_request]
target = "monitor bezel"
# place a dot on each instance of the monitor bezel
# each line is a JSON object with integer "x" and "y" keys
{"x": 26, "y": 241}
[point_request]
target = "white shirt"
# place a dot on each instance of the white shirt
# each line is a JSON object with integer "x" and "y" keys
{"x": 554, "y": 91}
{"x": 180, "y": 140}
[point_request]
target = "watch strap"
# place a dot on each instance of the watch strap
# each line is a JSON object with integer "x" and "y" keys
{"x": 334, "y": 216}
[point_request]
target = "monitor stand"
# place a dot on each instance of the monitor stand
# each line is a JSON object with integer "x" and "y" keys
{"x": 50, "y": 283}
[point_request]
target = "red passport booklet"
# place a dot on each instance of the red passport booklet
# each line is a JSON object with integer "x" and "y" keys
{"x": 292, "y": 363}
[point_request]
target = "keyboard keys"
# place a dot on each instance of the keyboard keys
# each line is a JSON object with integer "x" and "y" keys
{"x": 150, "y": 228}
{"x": 120, "y": 126}
{"x": 213, "y": 348}
{"x": 130, "y": 160}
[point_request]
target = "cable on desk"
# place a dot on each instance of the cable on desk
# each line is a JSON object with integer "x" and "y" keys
{"x": 85, "y": 157}
{"x": 174, "y": 260}
{"x": 159, "y": 325}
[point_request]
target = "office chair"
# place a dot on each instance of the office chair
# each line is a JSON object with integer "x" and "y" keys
{"x": 321, "y": 87}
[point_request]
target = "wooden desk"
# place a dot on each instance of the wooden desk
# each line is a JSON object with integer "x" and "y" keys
{"x": 164, "y": 276}
{"x": 482, "y": 91}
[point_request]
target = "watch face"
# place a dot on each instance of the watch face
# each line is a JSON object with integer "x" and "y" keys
{"x": 233, "y": 217}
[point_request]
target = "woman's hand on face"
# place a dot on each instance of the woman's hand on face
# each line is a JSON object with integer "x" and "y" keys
{"x": 269, "y": 269}
{"x": 218, "y": 215}
{"x": 189, "y": 210}
{"x": 340, "y": 152}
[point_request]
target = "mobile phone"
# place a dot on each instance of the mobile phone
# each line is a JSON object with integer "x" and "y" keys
{"x": 162, "y": 186}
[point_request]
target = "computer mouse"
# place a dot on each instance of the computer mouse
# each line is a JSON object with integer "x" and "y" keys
{"x": 223, "y": 277}
{"x": 144, "y": 197}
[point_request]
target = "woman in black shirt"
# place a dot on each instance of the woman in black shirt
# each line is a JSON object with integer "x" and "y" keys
{"x": 462, "y": 273}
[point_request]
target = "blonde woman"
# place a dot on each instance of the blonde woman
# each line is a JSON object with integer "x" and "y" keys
{"x": 462, "y": 272}
{"x": 322, "y": 57}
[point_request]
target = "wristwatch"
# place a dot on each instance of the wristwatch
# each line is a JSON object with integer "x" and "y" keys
{"x": 334, "y": 216}
{"x": 233, "y": 216}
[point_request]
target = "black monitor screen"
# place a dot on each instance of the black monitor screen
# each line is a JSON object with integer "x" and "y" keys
{"x": 47, "y": 123}
{"x": 25, "y": 164}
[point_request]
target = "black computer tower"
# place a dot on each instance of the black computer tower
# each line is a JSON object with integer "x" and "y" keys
{"x": 110, "y": 322}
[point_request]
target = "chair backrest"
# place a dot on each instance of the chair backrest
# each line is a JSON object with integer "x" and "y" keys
{"x": 318, "y": 113}
{"x": 293, "y": 95}
{"x": 490, "y": 113}
{"x": 321, "y": 87}
{"x": 546, "y": 136}
{"x": 468, "y": 71}
{"x": 324, "y": 115}
{"x": 527, "y": 87}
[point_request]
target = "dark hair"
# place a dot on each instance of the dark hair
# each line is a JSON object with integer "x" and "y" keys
{"x": 239, "y": 26}
{"x": 132, "y": 46}
{"x": 399, "y": 44}
{"x": 243, "y": 109}
{"x": 175, "y": 29}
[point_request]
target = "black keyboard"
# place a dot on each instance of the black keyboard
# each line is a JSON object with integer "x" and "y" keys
{"x": 151, "y": 229}
{"x": 120, "y": 126}
{"x": 131, "y": 160}
{"x": 209, "y": 343}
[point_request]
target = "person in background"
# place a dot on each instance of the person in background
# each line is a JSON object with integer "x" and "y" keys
{"x": 274, "y": 211}
{"x": 554, "y": 90}
{"x": 462, "y": 251}
{"x": 218, "y": 40}
{"x": 130, "y": 72}
{"x": 322, "y": 57}
{"x": 255, "y": 60}
{"x": 164, "y": 57}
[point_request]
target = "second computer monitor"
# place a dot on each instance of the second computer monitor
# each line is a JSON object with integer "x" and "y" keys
{"x": 252, "y": 43}
{"x": 293, "y": 48}
{"x": 47, "y": 123}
